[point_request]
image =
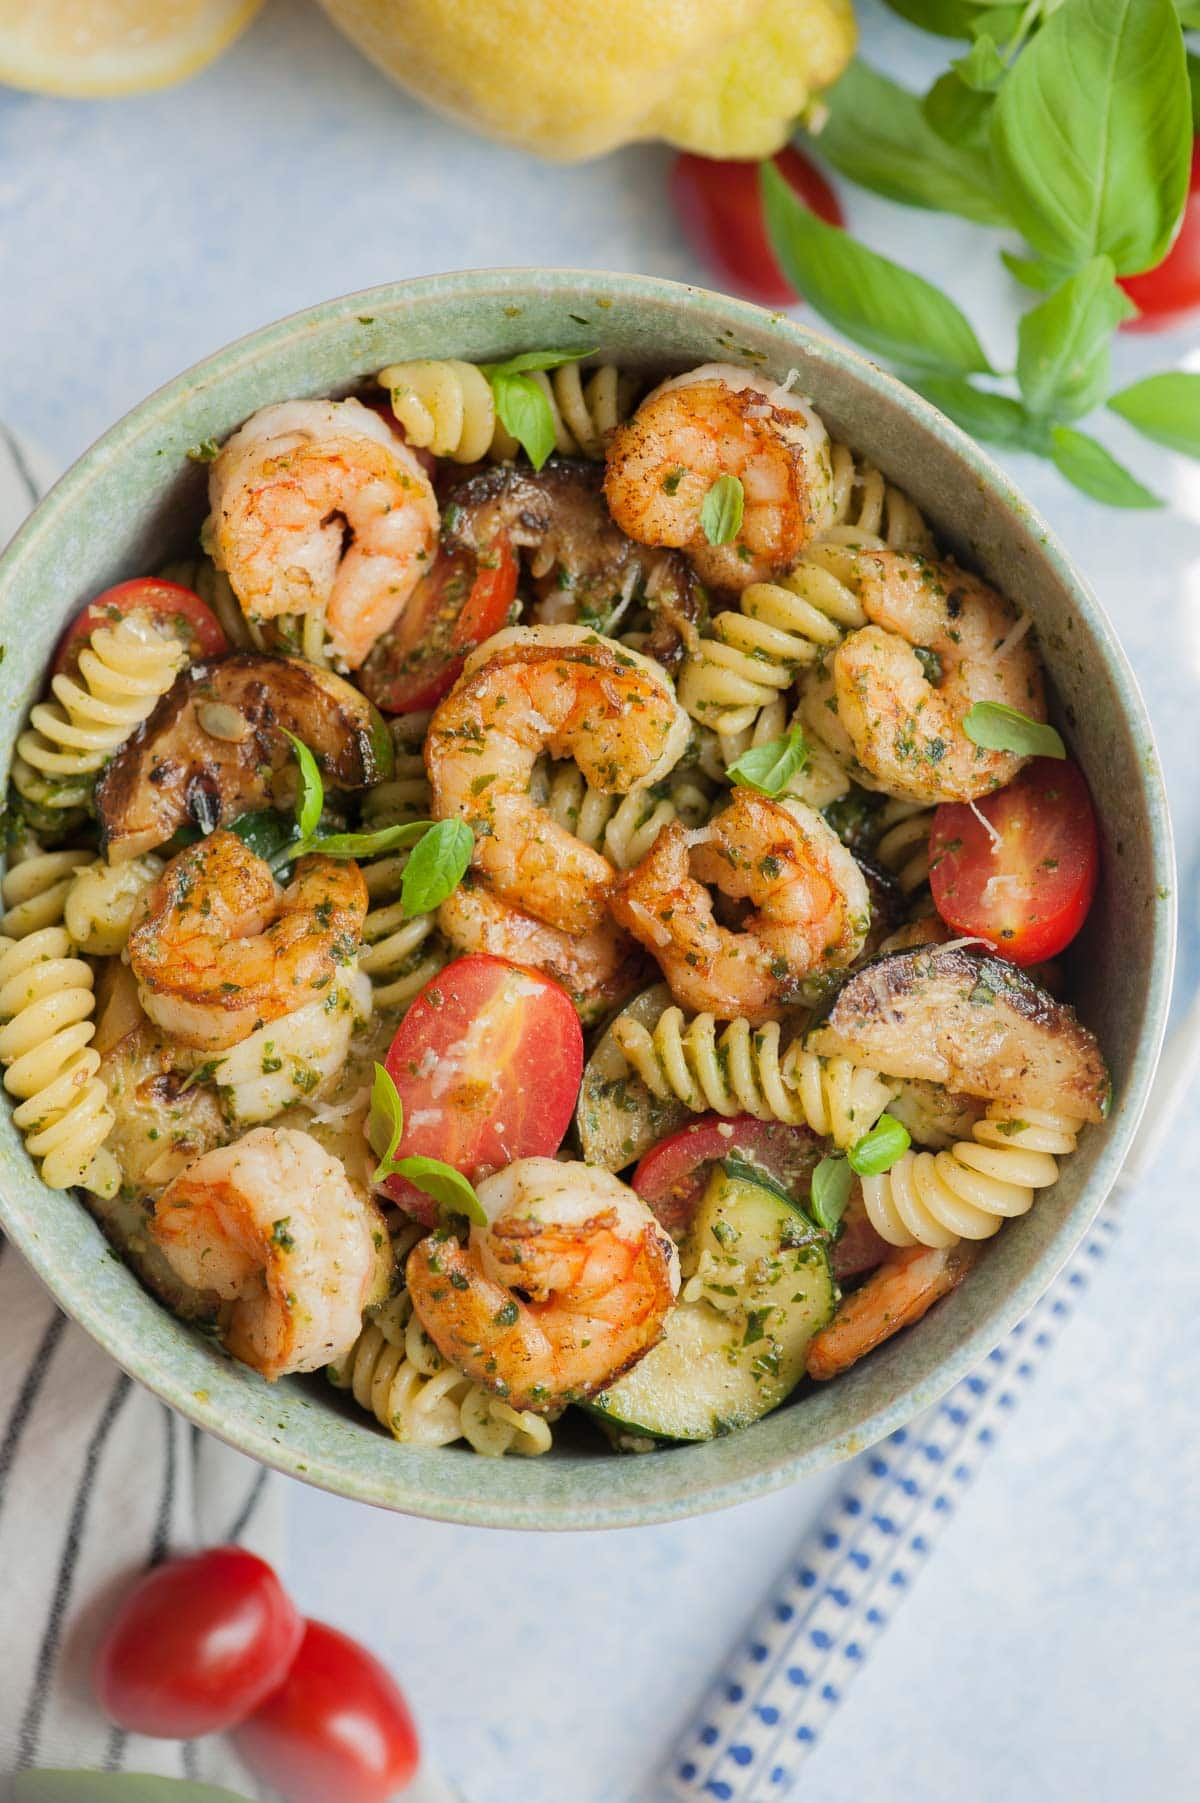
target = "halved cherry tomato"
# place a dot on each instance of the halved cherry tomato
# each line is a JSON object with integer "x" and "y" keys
{"x": 1029, "y": 892}
{"x": 453, "y": 608}
{"x": 1169, "y": 292}
{"x": 337, "y": 1731}
{"x": 672, "y": 1177}
{"x": 487, "y": 1064}
{"x": 197, "y": 1645}
{"x": 720, "y": 208}
{"x": 169, "y": 603}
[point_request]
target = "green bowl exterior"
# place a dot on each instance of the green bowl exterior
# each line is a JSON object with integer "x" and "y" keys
{"x": 134, "y": 499}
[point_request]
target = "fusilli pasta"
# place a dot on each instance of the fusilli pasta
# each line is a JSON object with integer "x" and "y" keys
{"x": 624, "y": 827}
{"x": 740, "y": 1070}
{"x": 395, "y": 1372}
{"x": 100, "y": 903}
{"x": 969, "y": 1191}
{"x": 822, "y": 779}
{"x": 123, "y": 670}
{"x": 399, "y": 953}
{"x": 447, "y": 407}
{"x": 36, "y": 886}
{"x": 903, "y": 844}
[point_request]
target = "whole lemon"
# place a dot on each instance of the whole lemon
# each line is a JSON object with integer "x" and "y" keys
{"x": 574, "y": 78}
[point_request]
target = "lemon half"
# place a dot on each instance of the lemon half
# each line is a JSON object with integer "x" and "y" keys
{"x": 98, "y": 47}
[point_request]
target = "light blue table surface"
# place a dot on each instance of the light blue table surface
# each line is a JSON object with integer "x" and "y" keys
{"x": 1050, "y": 1651}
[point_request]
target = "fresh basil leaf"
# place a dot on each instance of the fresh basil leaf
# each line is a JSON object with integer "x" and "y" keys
{"x": 1092, "y": 137}
{"x": 1189, "y": 14}
{"x": 267, "y": 833}
{"x": 385, "y": 1123}
{"x": 436, "y": 867}
{"x": 832, "y": 1182}
{"x": 958, "y": 114}
{"x": 996, "y": 418}
{"x": 310, "y": 790}
{"x": 770, "y": 768}
{"x": 721, "y": 510}
{"x": 1193, "y": 69}
{"x": 1031, "y": 272}
{"x": 878, "y": 1150}
{"x": 114, "y": 1787}
{"x": 525, "y": 411}
{"x": 955, "y": 18}
{"x": 448, "y": 1187}
{"x": 1063, "y": 344}
{"x": 1086, "y": 463}
{"x": 998, "y": 727}
{"x": 526, "y": 360}
{"x": 1165, "y": 408}
{"x": 876, "y": 134}
{"x": 982, "y": 68}
{"x": 367, "y": 845}
{"x": 893, "y": 312}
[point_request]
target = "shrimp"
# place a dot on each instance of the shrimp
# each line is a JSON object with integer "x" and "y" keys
{"x": 717, "y": 421}
{"x": 570, "y": 1282}
{"x": 274, "y": 1227}
{"x": 599, "y": 970}
{"x": 893, "y": 1296}
{"x": 221, "y": 948}
{"x": 905, "y": 724}
{"x": 565, "y": 690}
{"x": 810, "y": 901}
{"x": 317, "y": 506}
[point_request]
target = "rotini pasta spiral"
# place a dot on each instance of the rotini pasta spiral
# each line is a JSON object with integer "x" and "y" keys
{"x": 395, "y": 1372}
{"x": 123, "y": 670}
{"x": 740, "y": 1070}
{"x": 753, "y": 654}
{"x": 968, "y": 1192}
{"x": 299, "y": 635}
{"x": 62, "y": 1111}
{"x": 36, "y": 886}
{"x": 822, "y": 779}
{"x": 624, "y": 827}
{"x": 447, "y": 407}
{"x": 399, "y": 953}
{"x": 903, "y": 844}
{"x": 100, "y": 903}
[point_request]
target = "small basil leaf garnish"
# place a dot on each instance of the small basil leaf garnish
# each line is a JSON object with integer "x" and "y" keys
{"x": 436, "y": 867}
{"x": 878, "y": 1150}
{"x": 996, "y": 727}
{"x": 831, "y": 1185}
{"x": 770, "y": 768}
{"x": 721, "y": 510}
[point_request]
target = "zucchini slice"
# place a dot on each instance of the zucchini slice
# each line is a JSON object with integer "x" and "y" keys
{"x": 757, "y": 1287}
{"x": 970, "y": 1021}
{"x": 617, "y": 1117}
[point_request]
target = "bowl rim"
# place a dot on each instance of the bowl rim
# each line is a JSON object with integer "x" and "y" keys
{"x": 783, "y": 1468}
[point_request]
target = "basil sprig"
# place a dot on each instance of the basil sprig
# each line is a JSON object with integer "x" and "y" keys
{"x": 522, "y": 405}
{"x": 997, "y": 727}
{"x": 770, "y": 768}
{"x": 722, "y": 509}
{"x": 452, "y": 1192}
{"x": 832, "y": 1182}
{"x": 441, "y": 850}
{"x": 1068, "y": 121}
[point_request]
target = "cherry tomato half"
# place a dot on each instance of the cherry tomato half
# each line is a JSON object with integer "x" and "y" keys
{"x": 672, "y": 1178}
{"x": 338, "y": 1728}
{"x": 196, "y": 1645}
{"x": 720, "y": 209}
{"x": 1165, "y": 294}
{"x": 487, "y": 1063}
{"x": 453, "y": 608}
{"x": 167, "y": 603}
{"x": 1029, "y": 892}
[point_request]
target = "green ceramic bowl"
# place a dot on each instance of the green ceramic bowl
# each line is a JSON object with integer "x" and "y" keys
{"x": 134, "y": 500}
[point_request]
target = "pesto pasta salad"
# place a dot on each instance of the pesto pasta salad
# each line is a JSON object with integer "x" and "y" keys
{"x": 552, "y": 901}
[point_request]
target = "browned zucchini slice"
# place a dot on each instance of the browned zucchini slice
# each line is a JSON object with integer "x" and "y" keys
{"x": 215, "y": 747}
{"x": 972, "y": 1022}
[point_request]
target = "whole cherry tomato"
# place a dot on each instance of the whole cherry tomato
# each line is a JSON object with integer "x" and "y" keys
{"x": 720, "y": 208}
{"x": 1166, "y": 294}
{"x": 197, "y": 1644}
{"x": 1026, "y": 884}
{"x": 168, "y": 604}
{"x": 337, "y": 1731}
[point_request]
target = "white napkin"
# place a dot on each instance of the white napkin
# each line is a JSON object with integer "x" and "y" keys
{"x": 98, "y": 1481}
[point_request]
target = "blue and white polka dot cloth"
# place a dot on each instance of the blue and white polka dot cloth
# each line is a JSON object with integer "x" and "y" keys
{"x": 766, "y": 1710}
